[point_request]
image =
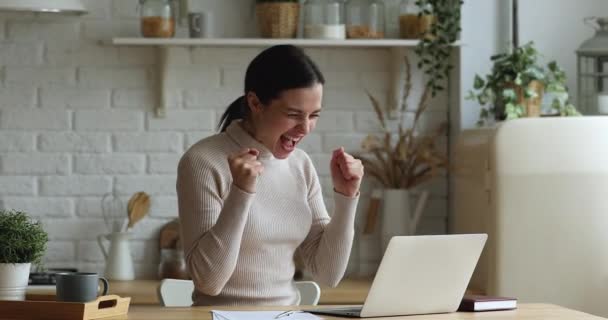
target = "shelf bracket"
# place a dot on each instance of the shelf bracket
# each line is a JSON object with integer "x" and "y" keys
{"x": 163, "y": 68}
{"x": 396, "y": 81}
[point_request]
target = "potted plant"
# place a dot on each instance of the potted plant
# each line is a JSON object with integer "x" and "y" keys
{"x": 277, "y": 18}
{"x": 22, "y": 242}
{"x": 516, "y": 86}
{"x": 399, "y": 160}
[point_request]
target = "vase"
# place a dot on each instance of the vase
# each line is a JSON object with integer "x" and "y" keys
{"x": 398, "y": 219}
{"x": 119, "y": 264}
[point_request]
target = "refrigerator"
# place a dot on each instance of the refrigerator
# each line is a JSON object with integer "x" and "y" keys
{"x": 539, "y": 188}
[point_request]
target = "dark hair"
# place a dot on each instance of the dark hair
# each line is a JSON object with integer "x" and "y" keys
{"x": 271, "y": 72}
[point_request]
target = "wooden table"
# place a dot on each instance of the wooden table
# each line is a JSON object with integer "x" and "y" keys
{"x": 349, "y": 291}
{"x": 524, "y": 312}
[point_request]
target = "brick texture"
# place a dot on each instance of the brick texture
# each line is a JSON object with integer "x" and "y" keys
{"x": 77, "y": 122}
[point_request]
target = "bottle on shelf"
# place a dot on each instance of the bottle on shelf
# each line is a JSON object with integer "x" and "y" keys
{"x": 365, "y": 19}
{"x": 324, "y": 19}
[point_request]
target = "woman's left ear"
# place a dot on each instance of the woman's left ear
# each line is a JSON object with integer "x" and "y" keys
{"x": 253, "y": 102}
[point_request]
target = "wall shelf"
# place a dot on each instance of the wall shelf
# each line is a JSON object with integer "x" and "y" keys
{"x": 258, "y": 42}
{"x": 398, "y": 48}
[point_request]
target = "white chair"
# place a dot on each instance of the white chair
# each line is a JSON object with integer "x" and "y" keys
{"x": 308, "y": 293}
{"x": 178, "y": 293}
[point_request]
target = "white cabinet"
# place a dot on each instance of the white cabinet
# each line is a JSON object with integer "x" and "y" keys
{"x": 538, "y": 188}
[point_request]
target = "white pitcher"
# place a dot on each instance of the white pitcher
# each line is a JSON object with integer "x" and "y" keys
{"x": 397, "y": 217}
{"x": 119, "y": 264}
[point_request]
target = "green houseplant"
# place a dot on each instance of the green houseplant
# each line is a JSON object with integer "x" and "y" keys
{"x": 22, "y": 242}
{"x": 435, "y": 47}
{"x": 516, "y": 85}
{"x": 277, "y": 18}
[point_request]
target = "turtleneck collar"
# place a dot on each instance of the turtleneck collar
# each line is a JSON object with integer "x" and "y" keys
{"x": 237, "y": 133}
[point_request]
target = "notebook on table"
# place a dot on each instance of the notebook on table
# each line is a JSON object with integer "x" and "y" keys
{"x": 486, "y": 303}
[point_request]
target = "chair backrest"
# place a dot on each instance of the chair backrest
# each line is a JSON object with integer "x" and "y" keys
{"x": 308, "y": 292}
{"x": 178, "y": 293}
{"x": 175, "y": 293}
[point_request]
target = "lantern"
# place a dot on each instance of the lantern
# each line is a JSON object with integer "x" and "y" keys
{"x": 592, "y": 70}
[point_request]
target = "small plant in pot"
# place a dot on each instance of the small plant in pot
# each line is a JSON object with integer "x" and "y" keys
{"x": 277, "y": 18}
{"x": 22, "y": 242}
{"x": 516, "y": 85}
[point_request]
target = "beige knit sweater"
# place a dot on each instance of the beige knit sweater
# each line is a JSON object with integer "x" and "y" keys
{"x": 240, "y": 246}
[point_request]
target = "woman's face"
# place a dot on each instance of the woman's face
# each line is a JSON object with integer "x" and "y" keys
{"x": 282, "y": 124}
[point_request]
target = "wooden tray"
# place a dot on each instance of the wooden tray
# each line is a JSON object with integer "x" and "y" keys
{"x": 44, "y": 308}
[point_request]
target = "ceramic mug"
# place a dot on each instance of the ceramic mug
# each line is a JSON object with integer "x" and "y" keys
{"x": 79, "y": 286}
{"x": 199, "y": 24}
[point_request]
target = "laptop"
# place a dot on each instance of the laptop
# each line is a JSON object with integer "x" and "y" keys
{"x": 419, "y": 275}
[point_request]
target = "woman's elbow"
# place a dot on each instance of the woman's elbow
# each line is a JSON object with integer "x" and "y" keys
{"x": 210, "y": 287}
{"x": 333, "y": 281}
{"x": 209, "y": 290}
{"x": 329, "y": 278}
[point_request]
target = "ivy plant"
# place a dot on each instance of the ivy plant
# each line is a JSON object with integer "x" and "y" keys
{"x": 435, "y": 46}
{"x": 497, "y": 95}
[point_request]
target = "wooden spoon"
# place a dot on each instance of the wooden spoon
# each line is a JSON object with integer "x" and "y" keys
{"x": 141, "y": 205}
{"x": 132, "y": 202}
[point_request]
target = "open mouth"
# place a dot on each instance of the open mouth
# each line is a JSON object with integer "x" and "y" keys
{"x": 288, "y": 142}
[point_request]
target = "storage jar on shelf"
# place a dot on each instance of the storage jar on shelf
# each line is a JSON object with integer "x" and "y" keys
{"x": 324, "y": 19}
{"x": 157, "y": 18}
{"x": 412, "y": 24}
{"x": 278, "y": 19}
{"x": 365, "y": 19}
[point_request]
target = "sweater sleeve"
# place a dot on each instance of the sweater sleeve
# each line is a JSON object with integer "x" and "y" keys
{"x": 326, "y": 249}
{"x": 211, "y": 227}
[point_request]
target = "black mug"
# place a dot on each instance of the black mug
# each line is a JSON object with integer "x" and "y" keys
{"x": 79, "y": 286}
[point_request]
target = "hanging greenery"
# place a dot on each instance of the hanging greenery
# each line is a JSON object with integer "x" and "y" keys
{"x": 435, "y": 47}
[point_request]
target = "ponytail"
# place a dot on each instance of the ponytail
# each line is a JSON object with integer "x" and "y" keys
{"x": 236, "y": 110}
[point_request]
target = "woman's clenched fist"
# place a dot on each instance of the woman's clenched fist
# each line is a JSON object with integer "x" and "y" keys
{"x": 245, "y": 168}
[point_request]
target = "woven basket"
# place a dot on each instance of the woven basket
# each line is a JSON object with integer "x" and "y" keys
{"x": 278, "y": 19}
{"x": 532, "y": 105}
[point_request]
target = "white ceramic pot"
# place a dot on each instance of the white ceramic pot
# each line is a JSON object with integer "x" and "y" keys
{"x": 397, "y": 216}
{"x": 13, "y": 280}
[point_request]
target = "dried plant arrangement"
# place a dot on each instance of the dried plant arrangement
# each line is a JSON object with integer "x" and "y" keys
{"x": 402, "y": 159}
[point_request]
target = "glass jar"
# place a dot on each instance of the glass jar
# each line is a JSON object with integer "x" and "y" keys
{"x": 413, "y": 25}
{"x": 324, "y": 19}
{"x": 365, "y": 19}
{"x": 172, "y": 265}
{"x": 157, "y": 18}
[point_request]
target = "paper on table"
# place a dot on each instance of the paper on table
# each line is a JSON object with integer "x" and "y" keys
{"x": 261, "y": 315}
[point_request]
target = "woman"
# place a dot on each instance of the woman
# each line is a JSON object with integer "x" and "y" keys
{"x": 249, "y": 201}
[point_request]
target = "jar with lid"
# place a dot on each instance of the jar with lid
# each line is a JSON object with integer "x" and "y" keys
{"x": 172, "y": 265}
{"x": 365, "y": 19}
{"x": 413, "y": 24}
{"x": 324, "y": 19}
{"x": 157, "y": 18}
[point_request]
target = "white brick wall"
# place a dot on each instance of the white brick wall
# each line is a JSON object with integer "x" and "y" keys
{"x": 77, "y": 121}
{"x": 17, "y": 97}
